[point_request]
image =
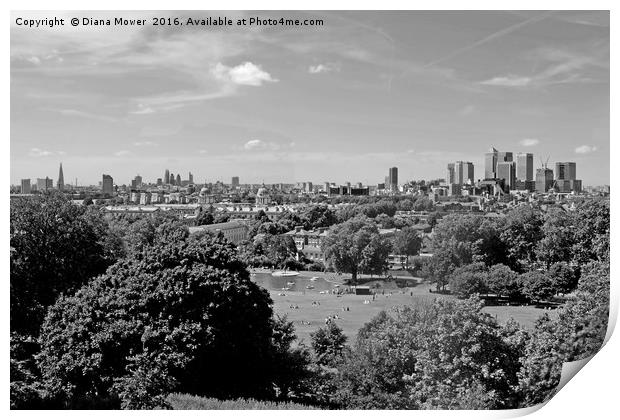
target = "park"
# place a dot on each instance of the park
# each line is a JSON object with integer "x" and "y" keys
{"x": 309, "y": 309}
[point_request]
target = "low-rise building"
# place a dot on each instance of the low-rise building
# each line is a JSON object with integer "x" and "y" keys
{"x": 233, "y": 231}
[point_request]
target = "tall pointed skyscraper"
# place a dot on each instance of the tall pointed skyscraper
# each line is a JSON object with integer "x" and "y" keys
{"x": 61, "y": 179}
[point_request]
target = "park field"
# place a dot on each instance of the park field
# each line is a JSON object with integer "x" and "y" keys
{"x": 308, "y": 317}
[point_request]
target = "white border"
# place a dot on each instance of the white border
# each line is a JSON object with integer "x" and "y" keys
{"x": 592, "y": 394}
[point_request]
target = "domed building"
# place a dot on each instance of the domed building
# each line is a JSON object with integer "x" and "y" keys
{"x": 263, "y": 198}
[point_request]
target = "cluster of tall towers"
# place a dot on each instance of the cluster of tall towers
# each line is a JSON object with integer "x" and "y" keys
{"x": 510, "y": 168}
{"x": 170, "y": 179}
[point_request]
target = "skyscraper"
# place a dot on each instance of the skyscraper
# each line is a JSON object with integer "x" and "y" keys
{"x": 393, "y": 179}
{"x": 171, "y": 180}
{"x": 450, "y": 174}
{"x": 506, "y": 171}
{"x": 565, "y": 171}
{"x": 235, "y": 181}
{"x": 26, "y": 186}
{"x": 61, "y": 179}
{"x": 167, "y": 177}
{"x": 191, "y": 178}
{"x": 490, "y": 163}
{"x": 544, "y": 180}
{"x": 504, "y": 157}
{"x": 107, "y": 184}
{"x": 178, "y": 180}
{"x": 525, "y": 167}
{"x": 463, "y": 172}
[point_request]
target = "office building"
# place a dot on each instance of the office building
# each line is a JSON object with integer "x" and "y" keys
{"x": 450, "y": 174}
{"x": 393, "y": 179}
{"x": 167, "y": 177}
{"x": 191, "y": 178}
{"x": 463, "y": 172}
{"x": 544, "y": 180}
{"x": 178, "y": 180}
{"x": 159, "y": 182}
{"x": 565, "y": 171}
{"x": 504, "y": 157}
{"x": 506, "y": 172}
{"x": 490, "y": 163}
{"x": 107, "y": 184}
{"x": 525, "y": 167}
{"x": 26, "y": 186}
{"x": 454, "y": 189}
{"x": 44, "y": 184}
{"x": 235, "y": 182}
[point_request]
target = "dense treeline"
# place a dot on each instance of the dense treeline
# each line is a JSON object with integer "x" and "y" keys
{"x": 528, "y": 254}
{"x": 121, "y": 313}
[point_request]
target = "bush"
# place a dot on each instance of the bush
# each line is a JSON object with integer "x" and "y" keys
{"x": 181, "y": 315}
{"x": 192, "y": 402}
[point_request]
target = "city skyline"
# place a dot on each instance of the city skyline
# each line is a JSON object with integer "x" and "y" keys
{"x": 367, "y": 91}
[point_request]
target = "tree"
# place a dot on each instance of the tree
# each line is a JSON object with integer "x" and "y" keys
{"x": 353, "y": 243}
{"x": 432, "y": 355}
{"x": 204, "y": 218}
{"x": 375, "y": 256}
{"x": 318, "y": 216}
{"x": 502, "y": 281}
{"x": 558, "y": 238}
{"x": 591, "y": 232}
{"x": 407, "y": 242}
{"x": 469, "y": 280}
{"x": 522, "y": 230}
{"x": 563, "y": 276}
{"x": 578, "y": 332}
{"x": 537, "y": 286}
{"x": 328, "y": 344}
{"x": 175, "y": 314}
{"x": 56, "y": 247}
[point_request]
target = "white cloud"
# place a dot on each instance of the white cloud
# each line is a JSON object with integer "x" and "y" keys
{"x": 585, "y": 149}
{"x": 122, "y": 153}
{"x": 202, "y": 151}
{"x": 323, "y": 68}
{"x": 36, "y": 152}
{"x": 529, "y": 142}
{"x": 34, "y": 60}
{"x": 248, "y": 74}
{"x": 256, "y": 144}
{"x": 142, "y": 110}
{"x": 510, "y": 81}
{"x": 144, "y": 143}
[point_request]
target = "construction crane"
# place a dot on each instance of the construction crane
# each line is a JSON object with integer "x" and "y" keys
{"x": 544, "y": 164}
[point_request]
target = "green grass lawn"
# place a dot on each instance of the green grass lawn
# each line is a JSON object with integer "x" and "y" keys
{"x": 308, "y": 318}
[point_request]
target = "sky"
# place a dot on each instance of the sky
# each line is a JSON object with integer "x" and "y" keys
{"x": 339, "y": 102}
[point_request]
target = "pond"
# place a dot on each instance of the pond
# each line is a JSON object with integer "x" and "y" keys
{"x": 295, "y": 284}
